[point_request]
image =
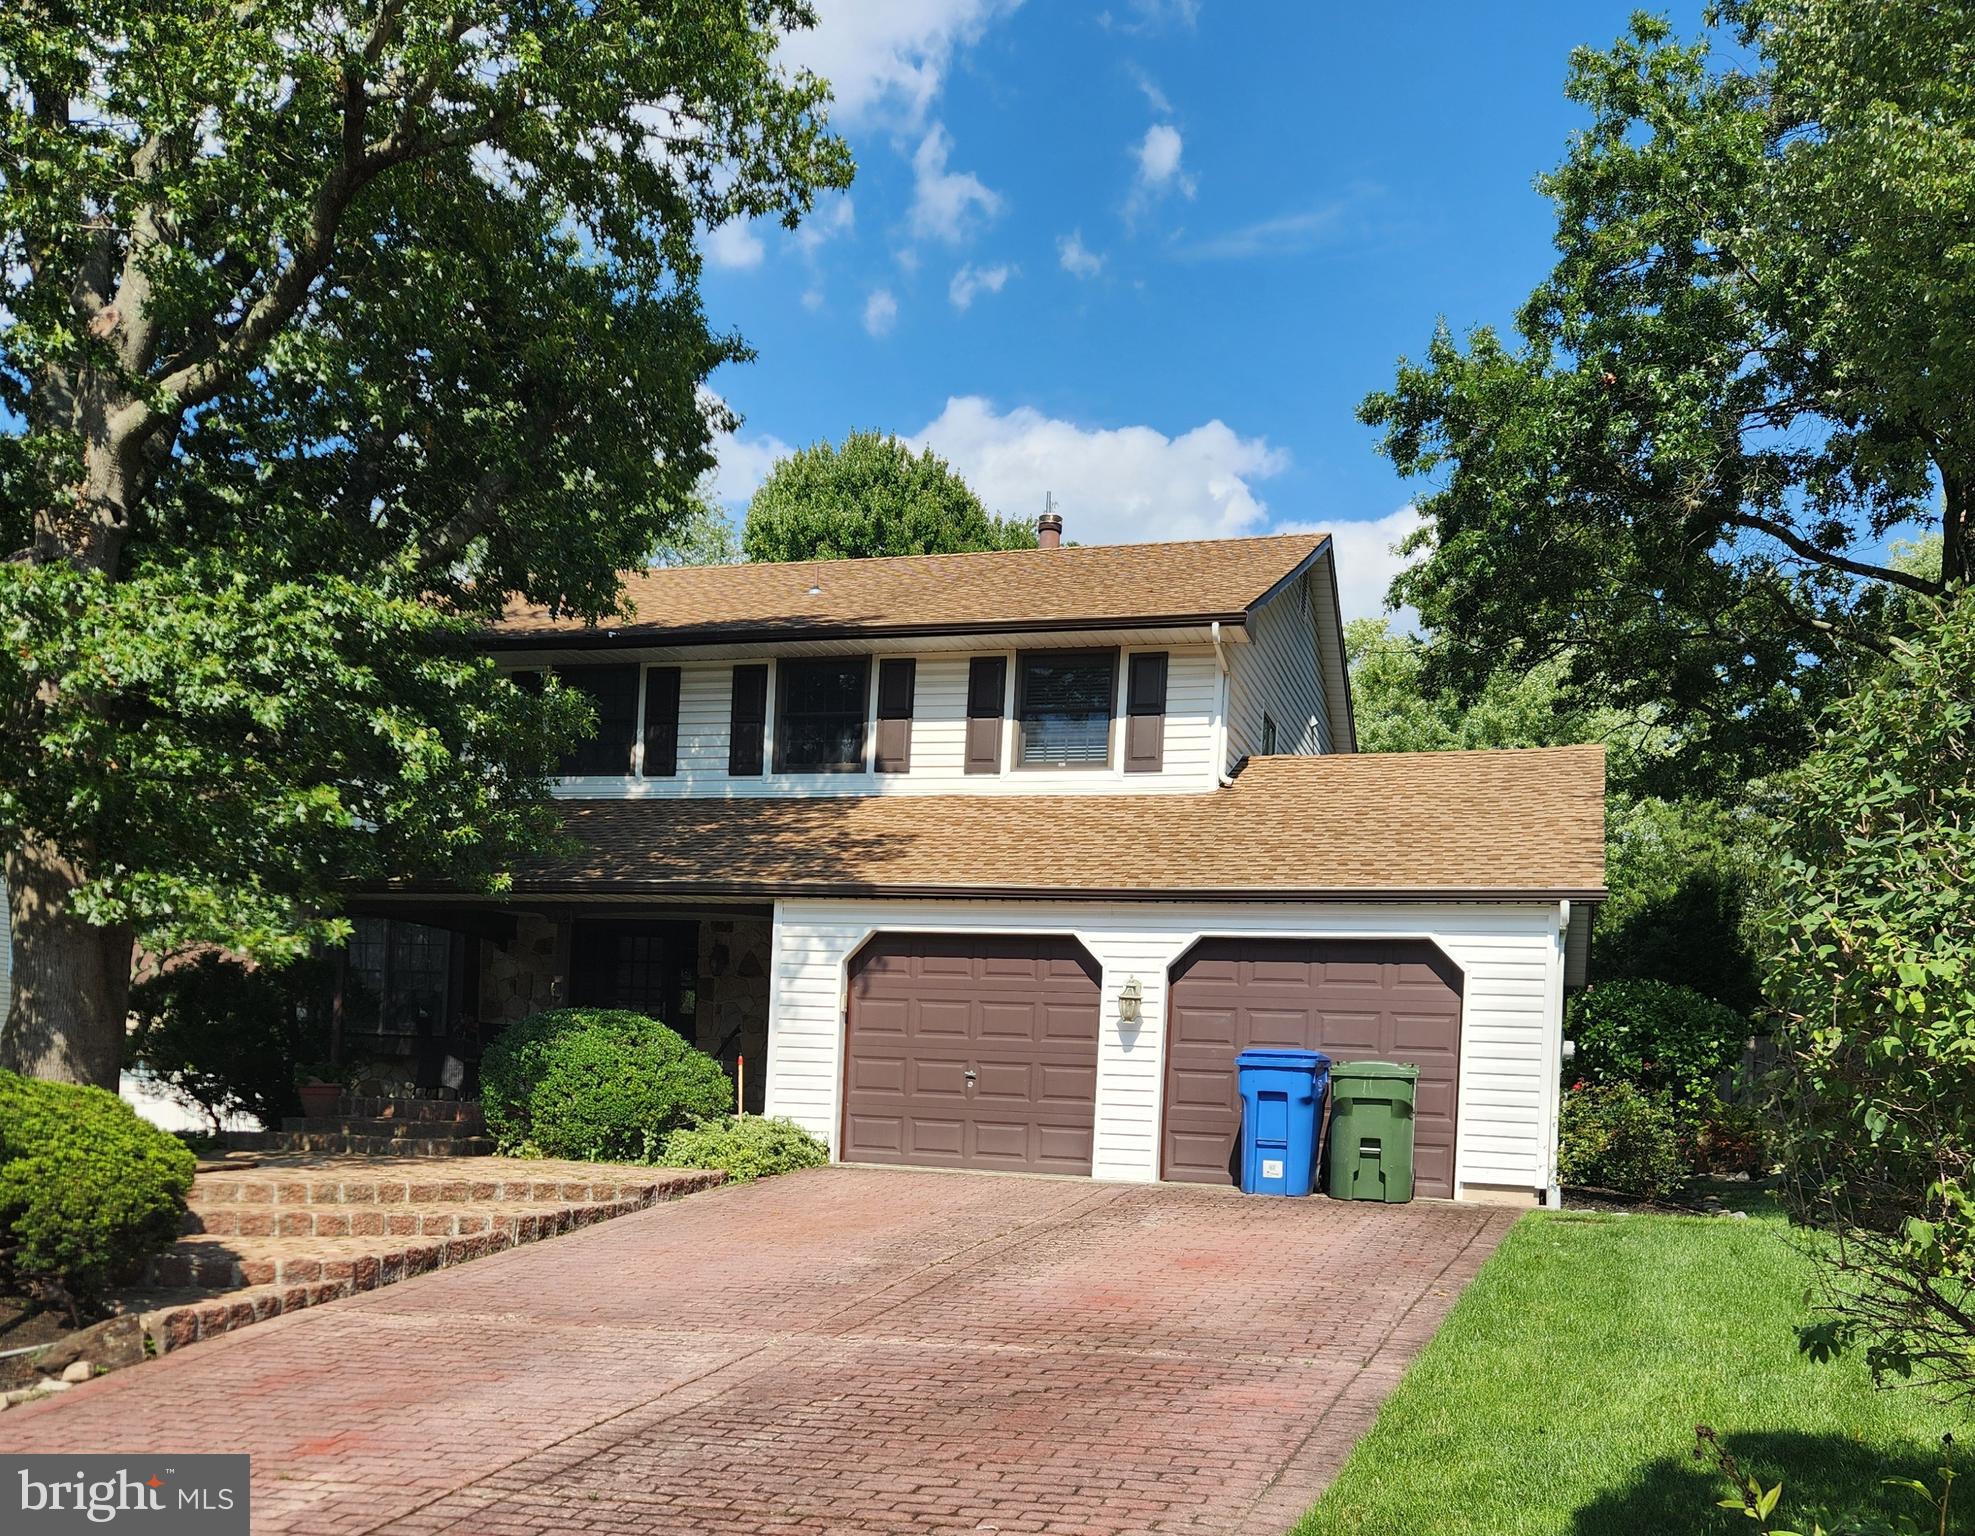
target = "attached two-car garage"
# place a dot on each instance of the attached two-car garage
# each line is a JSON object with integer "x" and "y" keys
{"x": 980, "y": 1050}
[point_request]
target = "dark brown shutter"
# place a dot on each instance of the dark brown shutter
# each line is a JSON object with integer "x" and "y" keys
{"x": 987, "y": 684}
{"x": 661, "y": 722}
{"x": 1145, "y": 713}
{"x": 896, "y": 677}
{"x": 749, "y": 718}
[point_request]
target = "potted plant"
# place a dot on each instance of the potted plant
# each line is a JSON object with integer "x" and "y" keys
{"x": 319, "y": 1085}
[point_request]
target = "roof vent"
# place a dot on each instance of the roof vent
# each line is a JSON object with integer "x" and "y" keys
{"x": 1049, "y": 527}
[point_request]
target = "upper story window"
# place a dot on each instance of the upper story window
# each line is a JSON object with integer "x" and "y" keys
{"x": 822, "y": 705}
{"x": 613, "y": 694}
{"x": 1063, "y": 706}
{"x": 1268, "y": 734}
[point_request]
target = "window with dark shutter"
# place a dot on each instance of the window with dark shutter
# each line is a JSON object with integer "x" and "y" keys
{"x": 661, "y": 722}
{"x": 613, "y": 694}
{"x": 1063, "y": 709}
{"x": 821, "y": 706}
{"x": 1268, "y": 735}
{"x": 987, "y": 681}
{"x": 748, "y": 721}
{"x": 896, "y": 677}
{"x": 1145, "y": 713}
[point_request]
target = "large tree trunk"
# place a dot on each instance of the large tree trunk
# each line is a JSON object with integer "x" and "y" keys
{"x": 71, "y": 979}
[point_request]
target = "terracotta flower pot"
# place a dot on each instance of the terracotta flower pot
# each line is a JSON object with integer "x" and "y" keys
{"x": 319, "y": 1100}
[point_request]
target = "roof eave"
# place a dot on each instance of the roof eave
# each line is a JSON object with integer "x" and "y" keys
{"x": 866, "y": 891}
{"x": 593, "y": 638}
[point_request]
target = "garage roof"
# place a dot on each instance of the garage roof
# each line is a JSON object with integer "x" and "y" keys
{"x": 1408, "y": 825}
{"x": 1097, "y": 586}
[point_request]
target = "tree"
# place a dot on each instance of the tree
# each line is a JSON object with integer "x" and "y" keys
{"x": 1870, "y": 928}
{"x": 1753, "y": 361}
{"x": 703, "y": 535}
{"x": 872, "y": 496}
{"x": 1679, "y": 870}
{"x": 329, "y": 328}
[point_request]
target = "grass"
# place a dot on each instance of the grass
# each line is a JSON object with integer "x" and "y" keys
{"x": 1560, "y": 1398}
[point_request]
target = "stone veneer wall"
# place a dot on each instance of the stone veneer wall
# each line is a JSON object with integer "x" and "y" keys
{"x": 520, "y": 977}
{"x": 734, "y": 956}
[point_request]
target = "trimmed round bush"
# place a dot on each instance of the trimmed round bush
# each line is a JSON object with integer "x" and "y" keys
{"x": 1612, "y": 1136}
{"x": 744, "y": 1149}
{"x": 88, "y": 1190}
{"x": 595, "y": 1083}
{"x": 1658, "y": 1037}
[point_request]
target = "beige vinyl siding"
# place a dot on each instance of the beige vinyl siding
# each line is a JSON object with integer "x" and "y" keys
{"x": 939, "y": 721}
{"x": 1277, "y": 673}
{"x": 1510, "y": 957}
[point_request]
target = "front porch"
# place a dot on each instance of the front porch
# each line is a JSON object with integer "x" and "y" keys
{"x": 424, "y": 986}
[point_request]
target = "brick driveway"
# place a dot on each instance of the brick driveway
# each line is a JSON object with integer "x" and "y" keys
{"x": 846, "y": 1350}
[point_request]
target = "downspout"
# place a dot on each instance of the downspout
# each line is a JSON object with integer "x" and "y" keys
{"x": 1553, "y": 1194}
{"x": 1221, "y": 720}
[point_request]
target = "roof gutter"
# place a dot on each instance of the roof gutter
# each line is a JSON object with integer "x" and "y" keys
{"x": 594, "y": 638}
{"x": 1221, "y": 714}
{"x": 772, "y": 890}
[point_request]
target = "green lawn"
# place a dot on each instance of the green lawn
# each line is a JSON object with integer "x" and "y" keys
{"x": 1562, "y": 1394}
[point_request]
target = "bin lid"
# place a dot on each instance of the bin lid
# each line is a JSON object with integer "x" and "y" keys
{"x": 1284, "y": 1058}
{"x": 1374, "y": 1069}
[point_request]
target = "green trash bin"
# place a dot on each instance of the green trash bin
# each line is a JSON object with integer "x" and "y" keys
{"x": 1371, "y": 1130}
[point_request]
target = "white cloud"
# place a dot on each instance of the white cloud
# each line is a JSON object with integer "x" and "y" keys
{"x": 1159, "y": 158}
{"x": 886, "y": 60}
{"x": 946, "y": 204}
{"x": 1151, "y": 16}
{"x": 1342, "y": 218}
{"x": 969, "y": 281}
{"x": 1115, "y": 484}
{"x": 1160, "y": 102}
{"x": 735, "y": 246}
{"x": 880, "y": 312}
{"x": 1367, "y": 562}
{"x": 1078, "y": 259}
{"x": 834, "y": 218}
{"x": 742, "y": 462}
{"x": 812, "y": 299}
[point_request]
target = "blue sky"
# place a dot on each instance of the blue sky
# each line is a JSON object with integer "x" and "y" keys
{"x": 1149, "y": 257}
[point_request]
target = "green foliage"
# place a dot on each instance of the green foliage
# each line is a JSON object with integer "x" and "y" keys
{"x": 595, "y": 1083}
{"x": 1869, "y": 925}
{"x": 1614, "y": 1136}
{"x": 1760, "y": 1504}
{"x": 88, "y": 1191}
{"x": 1677, "y": 869}
{"x": 1679, "y": 872}
{"x": 229, "y": 1039}
{"x": 1669, "y": 1041}
{"x": 745, "y": 1147}
{"x": 872, "y": 496}
{"x": 330, "y": 328}
{"x": 1753, "y": 360}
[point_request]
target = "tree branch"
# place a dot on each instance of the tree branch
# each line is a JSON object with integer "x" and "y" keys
{"x": 1797, "y": 544}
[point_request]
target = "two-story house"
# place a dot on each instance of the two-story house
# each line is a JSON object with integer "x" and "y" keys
{"x": 996, "y": 860}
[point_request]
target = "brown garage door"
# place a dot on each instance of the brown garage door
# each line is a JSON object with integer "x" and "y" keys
{"x": 971, "y": 1051}
{"x": 1354, "y": 1000}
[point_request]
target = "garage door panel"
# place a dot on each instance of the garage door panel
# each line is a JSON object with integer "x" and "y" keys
{"x": 1020, "y": 1012}
{"x": 1355, "y": 1000}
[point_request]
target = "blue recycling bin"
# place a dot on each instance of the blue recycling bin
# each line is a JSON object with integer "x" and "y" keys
{"x": 1282, "y": 1102}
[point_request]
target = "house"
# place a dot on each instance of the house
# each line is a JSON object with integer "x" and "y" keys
{"x": 996, "y": 860}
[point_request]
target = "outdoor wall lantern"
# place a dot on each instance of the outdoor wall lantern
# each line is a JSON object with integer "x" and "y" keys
{"x": 1129, "y": 997}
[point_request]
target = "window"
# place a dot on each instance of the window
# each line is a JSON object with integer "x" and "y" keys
{"x": 648, "y": 967}
{"x": 822, "y": 705}
{"x": 613, "y": 694}
{"x": 397, "y": 976}
{"x": 1268, "y": 736}
{"x": 1063, "y": 708}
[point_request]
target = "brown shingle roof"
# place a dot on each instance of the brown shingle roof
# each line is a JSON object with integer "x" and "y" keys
{"x": 1101, "y": 585}
{"x": 1387, "y": 824}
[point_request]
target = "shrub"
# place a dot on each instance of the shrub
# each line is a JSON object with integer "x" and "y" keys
{"x": 88, "y": 1191}
{"x": 1613, "y": 1136}
{"x": 595, "y": 1083}
{"x": 1664, "y": 1039}
{"x": 225, "y": 1039}
{"x": 1728, "y": 1139}
{"x": 747, "y": 1148}
{"x": 1869, "y": 923}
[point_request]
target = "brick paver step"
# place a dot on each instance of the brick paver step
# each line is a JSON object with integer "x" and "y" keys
{"x": 410, "y": 1181}
{"x": 436, "y": 1111}
{"x": 372, "y": 1220}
